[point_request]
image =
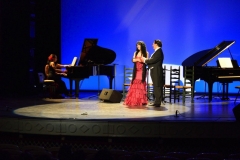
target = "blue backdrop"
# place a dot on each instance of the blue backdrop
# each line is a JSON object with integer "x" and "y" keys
{"x": 185, "y": 27}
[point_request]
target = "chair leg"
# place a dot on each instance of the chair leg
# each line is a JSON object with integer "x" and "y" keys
{"x": 183, "y": 96}
{"x": 175, "y": 95}
{"x": 237, "y": 96}
{"x": 192, "y": 95}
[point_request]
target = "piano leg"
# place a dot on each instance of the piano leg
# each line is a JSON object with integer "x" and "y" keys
{"x": 225, "y": 91}
{"x": 77, "y": 87}
{"x": 110, "y": 78}
{"x": 70, "y": 82}
{"x": 210, "y": 86}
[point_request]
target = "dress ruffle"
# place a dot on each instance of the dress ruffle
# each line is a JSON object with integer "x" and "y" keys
{"x": 137, "y": 94}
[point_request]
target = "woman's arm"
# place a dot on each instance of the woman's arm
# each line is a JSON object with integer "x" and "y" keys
{"x": 61, "y": 65}
{"x": 58, "y": 71}
{"x": 135, "y": 59}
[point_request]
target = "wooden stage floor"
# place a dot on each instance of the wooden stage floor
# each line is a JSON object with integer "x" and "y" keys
{"x": 92, "y": 117}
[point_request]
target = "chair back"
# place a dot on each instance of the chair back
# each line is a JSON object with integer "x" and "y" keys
{"x": 127, "y": 79}
{"x": 41, "y": 77}
{"x": 175, "y": 83}
{"x": 189, "y": 83}
{"x": 175, "y": 76}
{"x": 189, "y": 76}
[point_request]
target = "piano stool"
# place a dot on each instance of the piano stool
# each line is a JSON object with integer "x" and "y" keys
{"x": 237, "y": 87}
{"x": 49, "y": 86}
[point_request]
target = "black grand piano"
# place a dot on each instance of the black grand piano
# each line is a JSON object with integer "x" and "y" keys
{"x": 94, "y": 61}
{"x": 211, "y": 74}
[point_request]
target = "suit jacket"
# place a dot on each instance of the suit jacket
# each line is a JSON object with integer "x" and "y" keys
{"x": 155, "y": 65}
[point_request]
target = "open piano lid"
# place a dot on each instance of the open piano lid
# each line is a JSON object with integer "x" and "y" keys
{"x": 92, "y": 54}
{"x": 201, "y": 58}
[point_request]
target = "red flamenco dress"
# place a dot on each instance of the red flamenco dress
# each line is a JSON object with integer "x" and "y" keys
{"x": 137, "y": 92}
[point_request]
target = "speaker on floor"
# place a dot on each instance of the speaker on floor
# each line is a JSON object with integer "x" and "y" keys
{"x": 236, "y": 112}
{"x": 109, "y": 95}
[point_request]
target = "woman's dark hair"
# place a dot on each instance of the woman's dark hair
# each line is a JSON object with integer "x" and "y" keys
{"x": 50, "y": 58}
{"x": 143, "y": 48}
{"x": 158, "y": 42}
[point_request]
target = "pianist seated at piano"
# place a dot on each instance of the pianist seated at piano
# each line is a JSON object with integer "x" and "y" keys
{"x": 54, "y": 71}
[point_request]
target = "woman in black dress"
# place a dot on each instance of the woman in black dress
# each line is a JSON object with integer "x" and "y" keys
{"x": 53, "y": 71}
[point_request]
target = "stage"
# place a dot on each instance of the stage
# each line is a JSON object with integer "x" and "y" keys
{"x": 90, "y": 117}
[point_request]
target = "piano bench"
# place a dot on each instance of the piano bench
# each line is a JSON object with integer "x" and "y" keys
{"x": 50, "y": 88}
{"x": 237, "y": 87}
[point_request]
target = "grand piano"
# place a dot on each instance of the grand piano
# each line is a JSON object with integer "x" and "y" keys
{"x": 211, "y": 74}
{"x": 94, "y": 61}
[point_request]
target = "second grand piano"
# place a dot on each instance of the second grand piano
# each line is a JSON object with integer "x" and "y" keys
{"x": 93, "y": 61}
{"x": 211, "y": 74}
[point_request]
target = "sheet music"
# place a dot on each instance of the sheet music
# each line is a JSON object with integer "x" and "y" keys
{"x": 74, "y": 61}
{"x": 225, "y": 62}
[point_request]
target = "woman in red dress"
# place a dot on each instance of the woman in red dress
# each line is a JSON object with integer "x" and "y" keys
{"x": 137, "y": 92}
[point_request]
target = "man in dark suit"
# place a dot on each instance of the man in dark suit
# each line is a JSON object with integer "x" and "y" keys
{"x": 156, "y": 71}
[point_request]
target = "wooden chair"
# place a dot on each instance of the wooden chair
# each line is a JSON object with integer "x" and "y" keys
{"x": 127, "y": 80}
{"x": 173, "y": 88}
{"x": 188, "y": 87}
{"x": 166, "y": 86}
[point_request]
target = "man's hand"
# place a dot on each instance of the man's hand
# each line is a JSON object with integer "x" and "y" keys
{"x": 143, "y": 59}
